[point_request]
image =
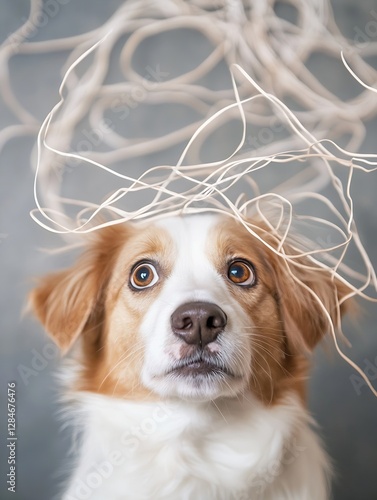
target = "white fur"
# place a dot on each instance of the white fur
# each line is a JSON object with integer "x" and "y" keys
{"x": 231, "y": 450}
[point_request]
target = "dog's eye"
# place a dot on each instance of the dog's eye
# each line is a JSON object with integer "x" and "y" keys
{"x": 241, "y": 273}
{"x": 144, "y": 276}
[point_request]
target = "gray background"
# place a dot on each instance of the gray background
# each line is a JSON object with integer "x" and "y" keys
{"x": 347, "y": 418}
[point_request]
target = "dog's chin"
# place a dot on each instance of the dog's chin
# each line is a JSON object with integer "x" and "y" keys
{"x": 197, "y": 383}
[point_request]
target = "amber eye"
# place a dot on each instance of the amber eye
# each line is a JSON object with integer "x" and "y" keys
{"x": 144, "y": 276}
{"x": 241, "y": 273}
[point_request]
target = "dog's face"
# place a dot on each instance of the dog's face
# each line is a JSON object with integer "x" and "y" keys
{"x": 191, "y": 307}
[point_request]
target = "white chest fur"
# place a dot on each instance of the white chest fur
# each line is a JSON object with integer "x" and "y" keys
{"x": 234, "y": 449}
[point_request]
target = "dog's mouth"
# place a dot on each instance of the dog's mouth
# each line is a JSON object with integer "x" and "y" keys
{"x": 200, "y": 365}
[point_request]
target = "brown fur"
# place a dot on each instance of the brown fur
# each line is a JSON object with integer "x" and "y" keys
{"x": 288, "y": 320}
{"x": 86, "y": 298}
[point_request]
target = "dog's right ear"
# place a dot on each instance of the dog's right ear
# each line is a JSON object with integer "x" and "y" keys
{"x": 65, "y": 301}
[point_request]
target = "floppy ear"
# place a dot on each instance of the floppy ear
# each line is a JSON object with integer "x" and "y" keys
{"x": 63, "y": 302}
{"x": 305, "y": 320}
{"x": 66, "y": 301}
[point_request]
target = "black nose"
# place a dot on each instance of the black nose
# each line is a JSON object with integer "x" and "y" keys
{"x": 198, "y": 322}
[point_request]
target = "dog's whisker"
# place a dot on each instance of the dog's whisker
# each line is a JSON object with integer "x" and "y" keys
{"x": 124, "y": 358}
{"x": 218, "y": 409}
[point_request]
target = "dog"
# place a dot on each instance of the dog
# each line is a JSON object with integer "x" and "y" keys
{"x": 191, "y": 339}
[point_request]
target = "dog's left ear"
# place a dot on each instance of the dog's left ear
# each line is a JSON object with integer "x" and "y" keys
{"x": 66, "y": 301}
{"x": 310, "y": 301}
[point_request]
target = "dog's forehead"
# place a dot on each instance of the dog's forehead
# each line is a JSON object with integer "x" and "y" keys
{"x": 190, "y": 236}
{"x": 190, "y": 239}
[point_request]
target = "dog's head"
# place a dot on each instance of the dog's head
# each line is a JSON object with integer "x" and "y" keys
{"x": 192, "y": 307}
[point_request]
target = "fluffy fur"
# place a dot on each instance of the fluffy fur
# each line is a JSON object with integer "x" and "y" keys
{"x": 166, "y": 412}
